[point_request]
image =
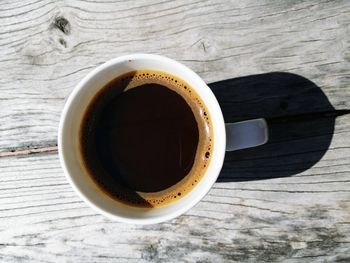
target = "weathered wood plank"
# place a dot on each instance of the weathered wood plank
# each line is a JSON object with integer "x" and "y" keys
{"x": 301, "y": 214}
{"x": 47, "y": 46}
{"x": 303, "y": 218}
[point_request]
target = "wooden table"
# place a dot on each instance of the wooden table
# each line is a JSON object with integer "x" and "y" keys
{"x": 287, "y": 61}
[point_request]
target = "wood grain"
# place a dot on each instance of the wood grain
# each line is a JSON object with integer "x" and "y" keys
{"x": 305, "y": 218}
{"x": 48, "y": 46}
{"x": 287, "y": 61}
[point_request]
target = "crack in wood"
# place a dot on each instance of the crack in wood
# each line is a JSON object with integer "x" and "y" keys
{"x": 309, "y": 116}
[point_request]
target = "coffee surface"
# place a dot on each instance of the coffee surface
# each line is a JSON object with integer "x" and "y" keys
{"x": 145, "y": 138}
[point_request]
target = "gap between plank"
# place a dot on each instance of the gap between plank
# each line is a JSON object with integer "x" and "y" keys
{"x": 47, "y": 149}
{"x": 292, "y": 118}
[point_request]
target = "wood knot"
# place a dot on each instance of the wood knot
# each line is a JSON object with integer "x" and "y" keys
{"x": 62, "y": 42}
{"x": 62, "y": 24}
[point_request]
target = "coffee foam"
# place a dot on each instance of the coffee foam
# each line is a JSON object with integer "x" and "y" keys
{"x": 205, "y": 144}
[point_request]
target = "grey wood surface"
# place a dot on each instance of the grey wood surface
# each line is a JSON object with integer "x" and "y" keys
{"x": 287, "y": 61}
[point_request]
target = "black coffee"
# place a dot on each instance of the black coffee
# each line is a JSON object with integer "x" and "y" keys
{"x": 145, "y": 138}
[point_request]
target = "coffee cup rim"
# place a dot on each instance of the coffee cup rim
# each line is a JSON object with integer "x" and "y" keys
{"x": 219, "y": 139}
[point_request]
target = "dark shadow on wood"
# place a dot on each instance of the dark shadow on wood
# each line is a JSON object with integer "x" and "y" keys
{"x": 299, "y": 115}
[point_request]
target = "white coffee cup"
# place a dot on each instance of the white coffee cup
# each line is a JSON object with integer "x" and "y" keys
{"x": 231, "y": 136}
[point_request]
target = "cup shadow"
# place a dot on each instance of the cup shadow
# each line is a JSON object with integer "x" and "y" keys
{"x": 300, "y": 119}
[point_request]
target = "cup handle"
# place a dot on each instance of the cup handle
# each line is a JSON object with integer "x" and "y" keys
{"x": 246, "y": 134}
